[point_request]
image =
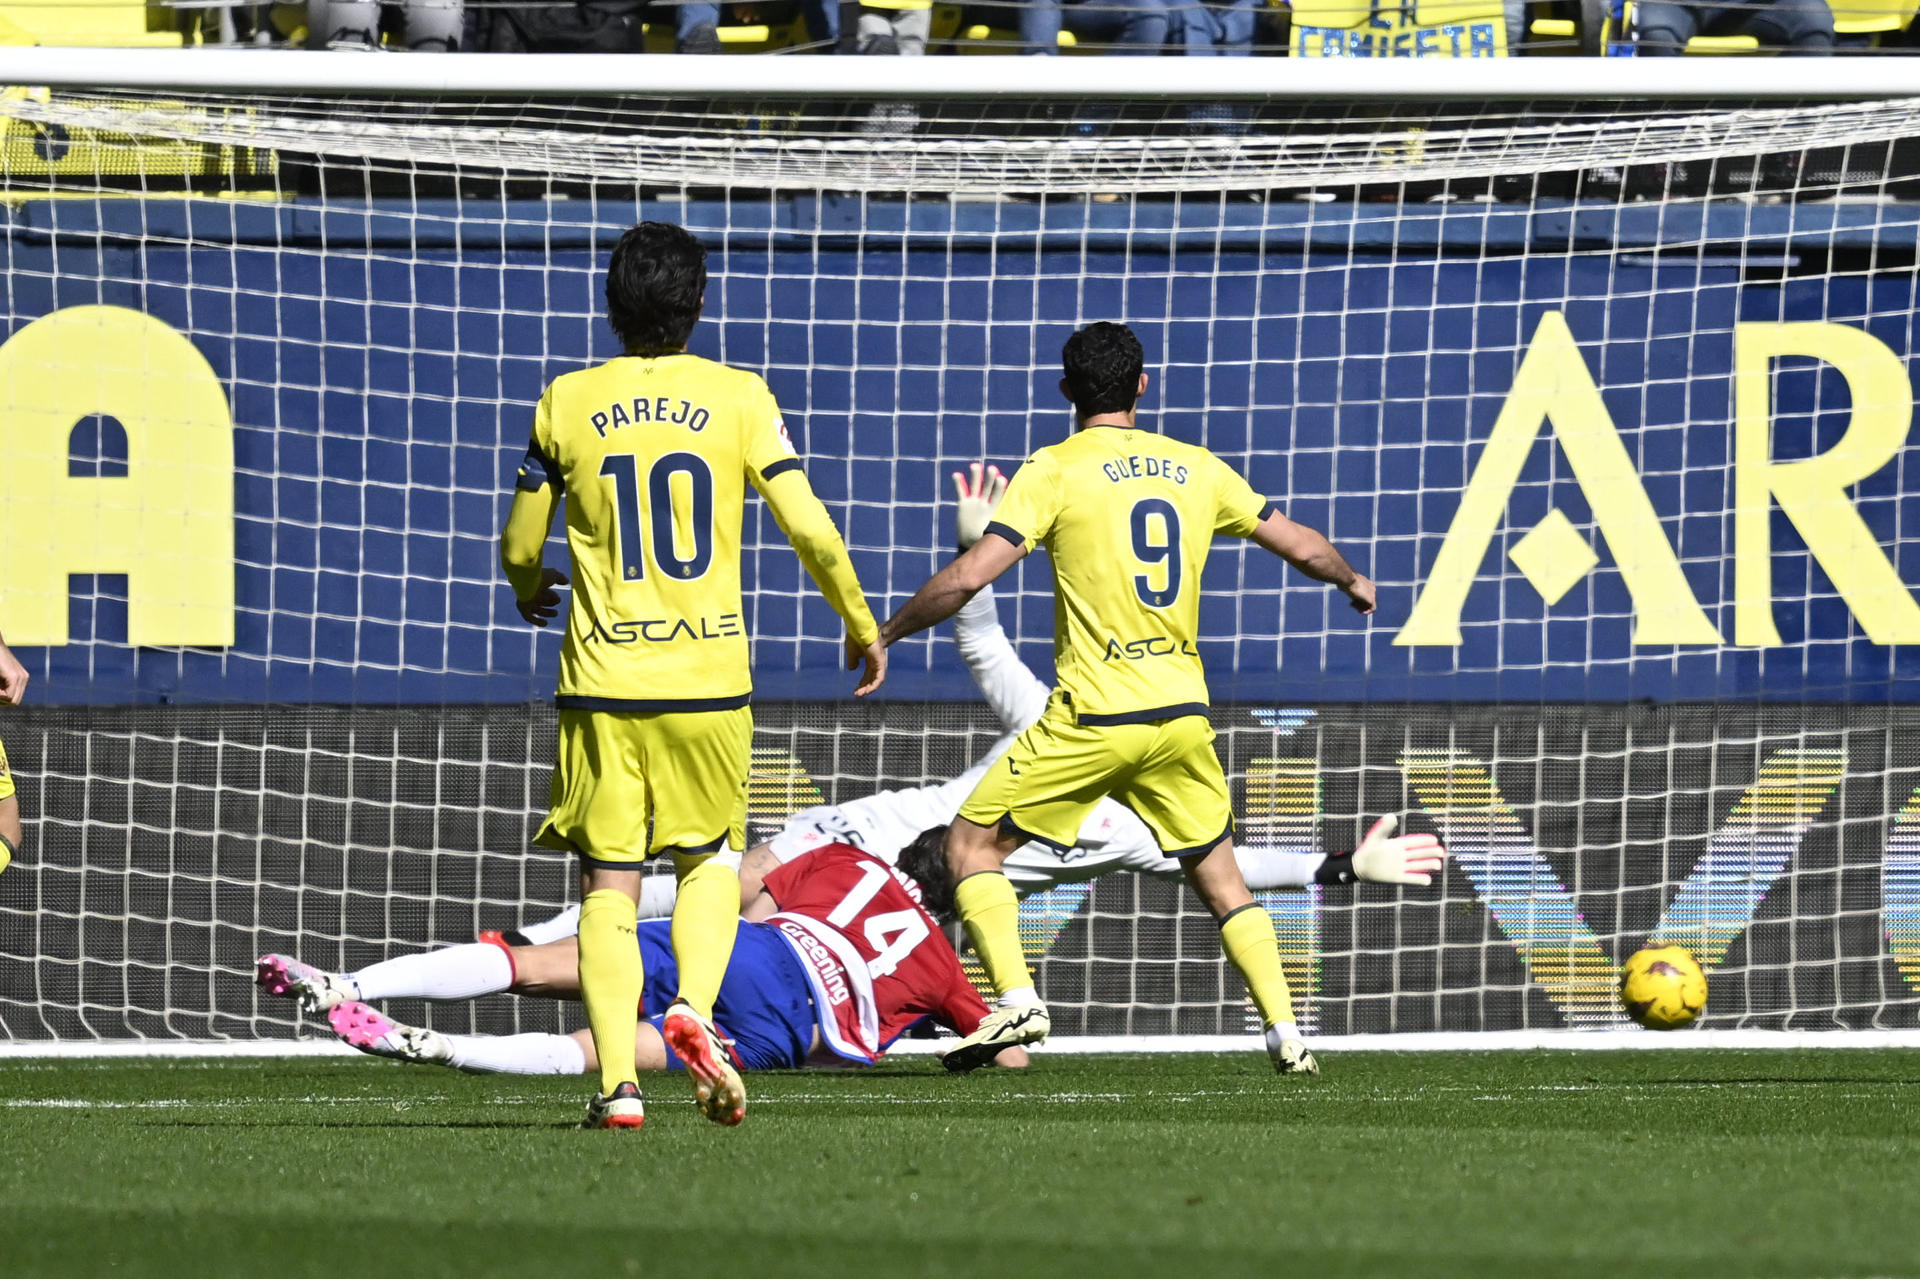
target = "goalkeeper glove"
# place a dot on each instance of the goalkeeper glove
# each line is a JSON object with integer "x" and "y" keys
{"x": 1386, "y": 858}
{"x": 981, "y": 488}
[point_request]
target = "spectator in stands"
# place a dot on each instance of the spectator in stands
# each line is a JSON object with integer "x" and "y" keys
{"x": 431, "y": 26}
{"x": 620, "y": 26}
{"x": 894, "y": 26}
{"x": 1136, "y": 27}
{"x": 1213, "y": 28}
{"x": 1803, "y": 27}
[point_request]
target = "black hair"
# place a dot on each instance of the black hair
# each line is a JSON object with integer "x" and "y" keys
{"x": 655, "y": 285}
{"x": 1103, "y": 363}
{"x": 924, "y": 861}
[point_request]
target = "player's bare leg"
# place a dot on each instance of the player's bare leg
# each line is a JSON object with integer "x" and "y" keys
{"x": 611, "y": 982}
{"x": 990, "y": 912}
{"x": 1247, "y": 937}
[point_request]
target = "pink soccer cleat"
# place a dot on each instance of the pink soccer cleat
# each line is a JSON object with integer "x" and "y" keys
{"x": 717, "y": 1089}
{"x": 287, "y": 977}
{"x": 371, "y": 1031}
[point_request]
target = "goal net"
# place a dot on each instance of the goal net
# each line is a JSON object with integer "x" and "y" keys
{"x": 1609, "y": 395}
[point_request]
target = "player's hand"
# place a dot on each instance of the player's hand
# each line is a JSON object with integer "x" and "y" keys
{"x": 872, "y": 656}
{"x": 1386, "y": 858}
{"x": 545, "y": 604}
{"x": 980, "y": 488}
{"x": 13, "y": 678}
{"x": 1361, "y": 594}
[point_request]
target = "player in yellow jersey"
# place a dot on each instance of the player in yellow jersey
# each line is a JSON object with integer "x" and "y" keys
{"x": 653, "y": 452}
{"x": 13, "y": 687}
{"x": 1127, "y": 517}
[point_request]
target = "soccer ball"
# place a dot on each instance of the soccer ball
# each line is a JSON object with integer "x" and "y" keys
{"x": 1663, "y": 987}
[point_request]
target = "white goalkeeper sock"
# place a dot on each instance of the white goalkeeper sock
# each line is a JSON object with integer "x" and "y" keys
{"x": 457, "y": 972}
{"x": 565, "y": 924}
{"x": 1281, "y": 1031}
{"x": 657, "y": 895}
{"x": 1020, "y": 997}
{"x": 530, "y": 1054}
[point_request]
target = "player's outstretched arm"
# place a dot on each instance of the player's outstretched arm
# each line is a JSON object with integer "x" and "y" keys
{"x": 817, "y": 541}
{"x": 13, "y": 677}
{"x": 944, "y": 593}
{"x": 1017, "y": 696}
{"x": 1311, "y": 553}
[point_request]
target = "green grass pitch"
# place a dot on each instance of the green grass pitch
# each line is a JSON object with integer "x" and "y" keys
{"x": 1495, "y": 1164}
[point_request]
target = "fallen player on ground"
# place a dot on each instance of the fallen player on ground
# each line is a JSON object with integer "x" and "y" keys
{"x": 836, "y": 956}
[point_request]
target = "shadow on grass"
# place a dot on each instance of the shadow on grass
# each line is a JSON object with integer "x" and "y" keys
{"x": 423, "y": 1121}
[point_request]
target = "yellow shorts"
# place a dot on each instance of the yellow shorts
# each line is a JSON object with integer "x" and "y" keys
{"x": 6, "y": 775}
{"x": 1048, "y": 782}
{"x": 628, "y": 784}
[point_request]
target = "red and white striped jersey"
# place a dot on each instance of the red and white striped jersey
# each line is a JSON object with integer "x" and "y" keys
{"x": 876, "y": 960}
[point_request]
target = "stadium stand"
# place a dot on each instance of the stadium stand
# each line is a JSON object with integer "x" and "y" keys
{"x": 1300, "y": 28}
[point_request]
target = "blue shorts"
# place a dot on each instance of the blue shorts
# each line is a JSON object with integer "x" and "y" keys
{"x": 765, "y": 1005}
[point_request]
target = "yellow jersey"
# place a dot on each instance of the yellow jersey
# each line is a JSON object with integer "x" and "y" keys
{"x": 654, "y": 455}
{"x": 1127, "y": 517}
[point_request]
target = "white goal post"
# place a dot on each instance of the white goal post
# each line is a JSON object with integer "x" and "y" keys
{"x": 1602, "y": 368}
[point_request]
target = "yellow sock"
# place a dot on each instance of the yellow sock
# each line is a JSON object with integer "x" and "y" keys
{"x": 991, "y": 914}
{"x": 706, "y": 915}
{"x": 1247, "y": 937}
{"x": 611, "y": 980}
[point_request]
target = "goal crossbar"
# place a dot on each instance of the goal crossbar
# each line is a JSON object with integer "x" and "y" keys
{"x": 574, "y": 75}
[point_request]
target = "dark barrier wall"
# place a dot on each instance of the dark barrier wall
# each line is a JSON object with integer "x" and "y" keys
{"x": 379, "y": 365}
{"x": 176, "y": 844}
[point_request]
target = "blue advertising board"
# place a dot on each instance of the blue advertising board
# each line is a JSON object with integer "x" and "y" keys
{"x": 1590, "y": 454}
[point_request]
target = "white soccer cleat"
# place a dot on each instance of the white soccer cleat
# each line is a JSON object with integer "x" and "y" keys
{"x": 622, "y": 1109}
{"x": 317, "y": 991}
{"x": 1386, "y": 858}
{"x": 1293, "y": 1057}
{"x": 717, "y": 1089}
{"x": 373, "y": 1032}
{"x": 1009, "y": 1027}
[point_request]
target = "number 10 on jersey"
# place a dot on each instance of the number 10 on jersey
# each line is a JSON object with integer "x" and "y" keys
{"x": 659, "y": 509}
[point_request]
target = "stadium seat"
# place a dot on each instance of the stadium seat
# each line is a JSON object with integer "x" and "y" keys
{"x": 1872, "y": 17}
{"x": 966, "y": 32}
{"x": 738, "y": 37}
{"x": 93, "y": 24}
